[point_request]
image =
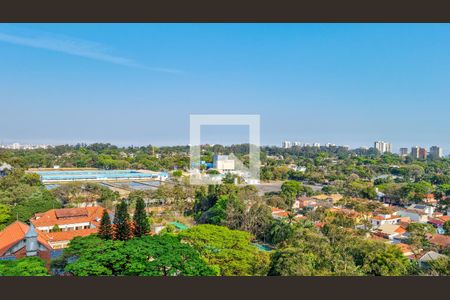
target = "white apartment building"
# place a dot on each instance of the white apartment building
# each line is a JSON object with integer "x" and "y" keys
{"x": 383, "y": 147}
{"x": 286, "y": 144}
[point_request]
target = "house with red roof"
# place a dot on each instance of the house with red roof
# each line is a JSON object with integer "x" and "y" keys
{"x": 68, "y": 219}
{"x": 440, "y": 240}
{"x": 429, "y": 199}
{"x": 19, "y": 240}
{"x": 71, "y": 223}
{"x": 381, "y": 219}
{"x": 40, "y": 237}
{"x": 406, "y": 250}
{"x": 278, "y": 213}
{"x": 390, "y": 231}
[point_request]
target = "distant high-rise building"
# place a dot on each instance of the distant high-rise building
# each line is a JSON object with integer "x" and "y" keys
{"x": 403, "y": 152}
{"x": 415, "y": 152}
{"x": 297, "y": 144}
{"x": 383, "y": 147}
{"x": 286, "y": 144}
{"x": 316, "y": 145}
{"x": 436, "y": 152}
{"x": 423, "y": 153}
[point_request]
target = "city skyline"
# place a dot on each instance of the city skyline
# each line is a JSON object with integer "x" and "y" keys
{"x": 433, "y": 150}
{"x": 136, "y": 84}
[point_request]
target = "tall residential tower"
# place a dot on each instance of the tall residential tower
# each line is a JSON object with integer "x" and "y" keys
{"x": 383, "y": 147}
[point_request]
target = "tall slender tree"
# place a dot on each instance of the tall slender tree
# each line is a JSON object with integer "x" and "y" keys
{"x": 106, "y": 230}
{"x": 122, "y": 228}
{"x": 141, "y": 223}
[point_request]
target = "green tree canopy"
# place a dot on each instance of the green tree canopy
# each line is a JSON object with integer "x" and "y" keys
{"x": 28, "y": 266}
{"x": 122, "y": 228}
{"x": 389, "y": 261}
{"x": 446, "y": 227}
{"x": 161, "y": 255}
{"x": 230, "y": 251}
{"x": 105, "y": 230}
{"x": 5, "y": 215}
{"x": 290, "y": 190}
{"x": 140, "y": 219}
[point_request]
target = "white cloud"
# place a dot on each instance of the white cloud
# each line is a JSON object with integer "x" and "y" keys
{"x": 77, "y": 47}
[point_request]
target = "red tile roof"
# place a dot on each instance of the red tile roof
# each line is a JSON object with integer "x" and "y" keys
{"x": 71, "y": 212}
{"x": 436, "y": 221}
{"x": 14, "y": 233}
{"x": 400, "y": 230}
{"x": 380, "y": 217}
{"x": 68, "y": 235}
{"x": 440, "y": 240}
{"x": 444, "y": 218}
{"x": 279, "y": 212}
{"x": 68, "y": 216}
{"x": 405, "y": 248}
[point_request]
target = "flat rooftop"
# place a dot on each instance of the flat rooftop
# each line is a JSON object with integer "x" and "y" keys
{"x": 97, "y": 175}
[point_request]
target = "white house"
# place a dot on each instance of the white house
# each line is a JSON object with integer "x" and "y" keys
{"x": 390, "y": 231}
{"x": 415, "y": 216}
{"x": 382, "y": 219}
{"x": 429, "y": 210}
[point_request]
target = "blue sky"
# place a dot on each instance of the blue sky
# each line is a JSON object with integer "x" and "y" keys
{"x": 137, "y": 83}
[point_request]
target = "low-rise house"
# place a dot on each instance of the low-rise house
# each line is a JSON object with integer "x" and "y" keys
{"x": 436, "y": 222}
{"x": 381, "y": 219}
{"x": 405, "y": 221}
{"x": 428, "y": 257}
{"x": 278, "y": 213}
{"x": 54, "y": 230}
{"x": 19, "y": 240}
{"x": 426, "y": 209}
{"x": 333, "y": 198}
{"x": 68, "y": 219}
{"x": 440, "y": 240}
{"x": 61, "y": 239}
{"x": 441, "y": 218}
{"x": 390, "y": 231}
{"x": 406, "y": 250}
{"x": 305, "y": 202}
{"x": 413, "y": 215}
{"x": 429, "y": 199}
